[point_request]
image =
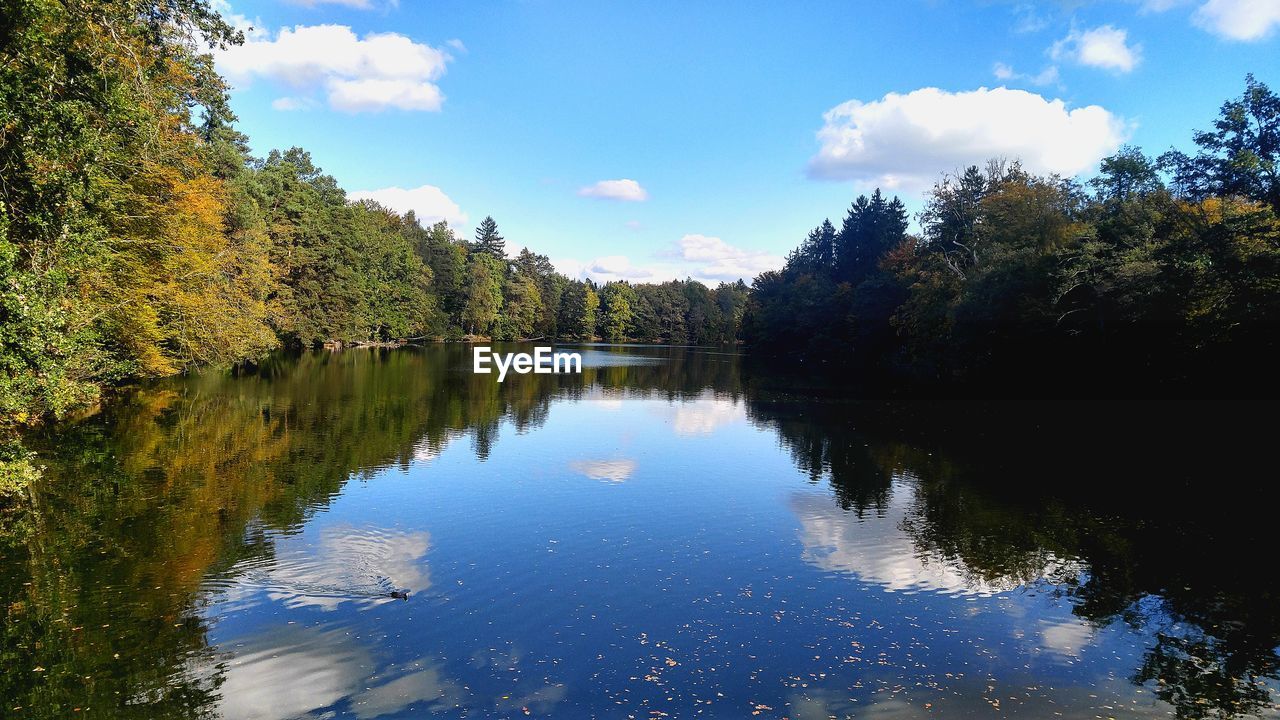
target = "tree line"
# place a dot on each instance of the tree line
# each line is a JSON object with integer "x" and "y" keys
{"x": 1167, "y": 266}
{"x": 139, "y": 237}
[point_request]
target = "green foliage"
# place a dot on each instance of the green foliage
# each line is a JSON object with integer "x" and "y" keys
{"x": 1240, "y": 156}
{"x": 616, "y": 300}
{"x": 522, "y": 308}
{"x": 488, "y": 240}
{"x": 484, "y": 294}
{"x": 345, "y": 272}
{"x": 1015, "y": 274}
{"x": 17, "y": 471}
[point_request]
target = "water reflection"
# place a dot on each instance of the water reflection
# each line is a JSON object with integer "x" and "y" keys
{"x": 225, "y": 546}
{"x": 342, "y": 565}
{"x": 295, "y": 672}
{"x": 880, "y": 549}
{"x": 616, "y": 470}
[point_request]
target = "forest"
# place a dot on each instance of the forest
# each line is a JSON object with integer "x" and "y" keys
{"x": 140, "y": 238}
{"x": 1163, "y": 267}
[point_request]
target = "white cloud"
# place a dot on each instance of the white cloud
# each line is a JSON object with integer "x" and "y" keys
{"x": 1028, "y": 19}
{"x": 902, "y": 142}
{"x": 428, "y": 202}
{"x": 1243, "y": 20}
{"x": 1159, "y": 6}
{"x": 1105, "y": 47}
{"x": 706, "y": 259}
{"x": 721, "y": 261}
{"x": 617, "y": 267}
{"x": 249, "y": 27}
{"x": 377, "y": 72}
{"x": 1048, "y": 76}
{"x": 288, "y": 104}
{"x": 354, "y": 4}
{"x": 624, "y": 189}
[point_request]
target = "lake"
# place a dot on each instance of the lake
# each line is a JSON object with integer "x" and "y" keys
{"x": 670, "y": 534}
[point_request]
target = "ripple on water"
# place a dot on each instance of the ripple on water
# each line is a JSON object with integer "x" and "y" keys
{"x": 326, "y": 568}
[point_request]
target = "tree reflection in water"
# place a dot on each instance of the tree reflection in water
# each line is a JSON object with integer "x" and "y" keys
{"x": 171, "y": 497}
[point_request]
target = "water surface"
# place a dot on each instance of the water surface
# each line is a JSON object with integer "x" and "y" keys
{"x": 666, "y": 535}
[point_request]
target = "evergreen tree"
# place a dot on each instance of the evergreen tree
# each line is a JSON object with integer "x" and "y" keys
{"x": 488, "y": 240}
{"x": 870, "y": 229}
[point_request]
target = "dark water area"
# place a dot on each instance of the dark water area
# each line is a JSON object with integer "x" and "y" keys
{"x": 672, "y": 533}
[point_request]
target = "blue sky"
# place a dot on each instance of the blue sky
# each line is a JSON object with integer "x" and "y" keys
{"x": 670, "y": 139}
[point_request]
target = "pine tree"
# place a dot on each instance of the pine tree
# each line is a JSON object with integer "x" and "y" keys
{"x": 488, "y": 240}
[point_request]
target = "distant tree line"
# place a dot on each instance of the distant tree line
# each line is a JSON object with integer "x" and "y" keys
{"x": 484, "y": 293}
{"x": 1165, "y": 265}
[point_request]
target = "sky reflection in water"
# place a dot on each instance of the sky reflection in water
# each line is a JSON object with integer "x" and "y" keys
{"x": 656, "y": 536}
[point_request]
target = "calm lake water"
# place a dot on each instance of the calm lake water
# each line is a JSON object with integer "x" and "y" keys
{"x": 665, "y": 536}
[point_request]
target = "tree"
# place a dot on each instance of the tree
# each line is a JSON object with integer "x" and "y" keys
{"x": 484, "y": 294}
{"x": 446, "y": 256}
{"x": 870, "y": 229}
{"x": 110, "y": 219}
{"x": 550, "y": 284}
{"x": 1127, "y": 173}
{"x": 488, "y": 240}
{"x": 616, "y": 299}
{"x": 1240, "y": 156}
{"x": 578, "y": 310}
{"x": 952, "y": 218}
{"x": 522, "y": 308}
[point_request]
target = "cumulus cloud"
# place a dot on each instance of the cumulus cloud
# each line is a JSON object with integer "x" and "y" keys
{"x": 1243, "y": 20}
{"x": 377, "y": 72}
{"x": 1105, "y": 47}
{"x": 613, "y": 268}
{"x": 704, "y": 258}
{"x": 624, "y": 189}
{"x": 616, "y": 267}
{"x": 718, "y": 260}
{"x": 428, "y": 202}
{"x": 902, "y": 142}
